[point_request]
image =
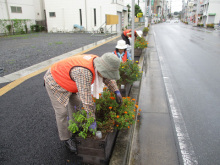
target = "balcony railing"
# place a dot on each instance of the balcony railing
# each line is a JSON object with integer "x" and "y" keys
{"x": 194, "y": 9}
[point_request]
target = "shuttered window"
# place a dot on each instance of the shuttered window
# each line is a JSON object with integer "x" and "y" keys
{"x": 16, "y": 9}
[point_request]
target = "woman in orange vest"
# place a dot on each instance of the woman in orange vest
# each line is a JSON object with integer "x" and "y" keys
{"x": 68, "y": 83}
{"x": 127, "y": 34}
{"x": 121, "y": 51}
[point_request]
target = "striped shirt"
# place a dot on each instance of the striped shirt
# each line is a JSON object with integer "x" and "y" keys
{"x": 83, "y": 78}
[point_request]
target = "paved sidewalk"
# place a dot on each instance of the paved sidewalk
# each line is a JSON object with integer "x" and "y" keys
{"x": 154, "y": 141}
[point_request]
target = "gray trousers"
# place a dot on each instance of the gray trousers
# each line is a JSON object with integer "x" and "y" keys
{"x": 62, "y": 112}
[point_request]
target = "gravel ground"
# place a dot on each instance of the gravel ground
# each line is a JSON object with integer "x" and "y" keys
{"x": 21, "y": 51}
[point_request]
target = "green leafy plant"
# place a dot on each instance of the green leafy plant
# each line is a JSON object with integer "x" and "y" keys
{"x": 8, "y": 28}
{"x": 109, "y": 115}
{"x": 145, "y": 29}
{"x": 32, "y": 28}
{"x": 210, "y": 25}
{"x": 140, "y": 42}
{"x": 129, "y": 72}
{"x": 80, "y": 124}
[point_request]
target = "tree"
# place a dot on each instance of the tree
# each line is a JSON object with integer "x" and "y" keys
{"x": 137, "y": 9}
{"x": 176, "y": 13}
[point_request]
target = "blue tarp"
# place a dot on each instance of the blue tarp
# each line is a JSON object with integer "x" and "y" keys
{"x": 78, "y": 26}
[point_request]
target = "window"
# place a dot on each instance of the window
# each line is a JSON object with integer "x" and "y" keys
{"x": 16, "y": 9}
{"x": 94, "y": 17}
{"x": 52, "y": 14}
{"x": 80, "y": 16}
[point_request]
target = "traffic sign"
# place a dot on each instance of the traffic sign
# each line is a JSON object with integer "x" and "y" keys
{"x": 140, "y": 15}
{"x": 148, "y": 11}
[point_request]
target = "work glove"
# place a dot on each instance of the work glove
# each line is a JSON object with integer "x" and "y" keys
{"x": 118, "y": 97}
{"x": 93, "y": 125}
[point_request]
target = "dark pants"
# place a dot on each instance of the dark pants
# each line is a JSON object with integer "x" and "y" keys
{"x": 125, "y": 39}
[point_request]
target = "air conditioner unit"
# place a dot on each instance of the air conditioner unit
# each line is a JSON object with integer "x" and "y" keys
{"x": 101, "y": 30}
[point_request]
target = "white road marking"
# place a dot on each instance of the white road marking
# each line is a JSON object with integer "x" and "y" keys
{"x": 185, "y": 146}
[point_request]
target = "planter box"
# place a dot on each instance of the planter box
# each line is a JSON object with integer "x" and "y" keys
{"x": 125, "y": 90}
{"x": 144, "y": 33}
{"x": 137, "y": 52}
{"x": 96, "y": 151}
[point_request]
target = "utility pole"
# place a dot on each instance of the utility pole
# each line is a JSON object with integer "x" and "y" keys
{"x": 132, "y": 29}
{"x": 146, "y": 16}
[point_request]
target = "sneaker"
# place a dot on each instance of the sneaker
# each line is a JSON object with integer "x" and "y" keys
{"x": 71, "y": 145}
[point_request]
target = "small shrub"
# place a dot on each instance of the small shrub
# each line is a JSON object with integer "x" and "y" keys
{"x": 32, "y": 28}
{"x": 129, "y": 72}
{"x": 210, "y": 25}
{"x": 8, "y": 27}
{"x": 26, "y": 29}
{"x": 37, "y": 28}
{"x": 146, "y": 29}
{"x": 42, "y": 28}
{"x": 140, "y": 43}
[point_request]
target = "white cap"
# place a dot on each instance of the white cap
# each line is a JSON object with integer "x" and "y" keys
{"x": 139, "y": 33}
{"x": 121, "y": 44}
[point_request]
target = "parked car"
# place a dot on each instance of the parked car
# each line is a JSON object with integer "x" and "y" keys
{"x": 168, "y": 21}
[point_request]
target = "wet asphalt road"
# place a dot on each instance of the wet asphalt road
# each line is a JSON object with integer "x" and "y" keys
{"x": 191, "y": 56}
{"x": 19, "y": 52}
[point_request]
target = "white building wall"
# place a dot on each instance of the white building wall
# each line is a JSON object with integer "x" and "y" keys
{"x": 67, "y": 13}
{"x": 26, "y": 5}
{"x": 3, "y": 11}
{"x": 39, "y": 10}
{"x": 214, "y": 7}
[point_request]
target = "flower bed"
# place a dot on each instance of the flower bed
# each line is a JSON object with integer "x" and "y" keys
{"x": 140, "y": 43}
{"x": 145, "y": 31}
{"x": 129, "y": 72}
{"x": 109, "y": 116}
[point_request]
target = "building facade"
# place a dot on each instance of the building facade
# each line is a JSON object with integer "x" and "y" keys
{"x": 202, "y": 12}
{"x": 210, "y": 11}
{"x": 30, "y": 10}
{"x": 89, "y": 14}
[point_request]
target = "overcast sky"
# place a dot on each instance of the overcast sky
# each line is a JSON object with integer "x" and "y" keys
{"x": 176, "y": 5}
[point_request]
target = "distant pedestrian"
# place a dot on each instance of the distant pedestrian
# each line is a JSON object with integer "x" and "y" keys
{"x": 68, "y": 82}
{"x": 121, "y": 51}
{"x": 127, "y": 34}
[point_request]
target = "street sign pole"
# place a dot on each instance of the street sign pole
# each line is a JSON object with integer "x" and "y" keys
{"x": 146, "y": 15}
{"x": 132, "y": 29}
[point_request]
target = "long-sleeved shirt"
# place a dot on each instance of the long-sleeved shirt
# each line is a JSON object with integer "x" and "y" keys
{"x": 120, "y": 56}
{"x": 83, "y": 78}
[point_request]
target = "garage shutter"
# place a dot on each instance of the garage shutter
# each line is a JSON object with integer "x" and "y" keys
{"x": 211, "y": 19}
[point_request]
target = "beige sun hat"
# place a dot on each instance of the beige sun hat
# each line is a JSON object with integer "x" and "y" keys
{"x": 108, "y": 66}
{"x": 121, "y": 44}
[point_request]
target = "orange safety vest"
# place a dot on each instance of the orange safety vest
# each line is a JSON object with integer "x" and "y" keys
{"x": 128, "y": 31}
{"x": 124, "y": 58}
{"x": 61, "y": 70}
